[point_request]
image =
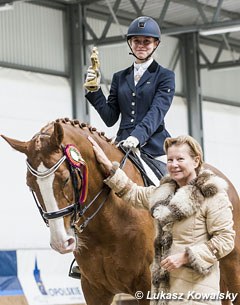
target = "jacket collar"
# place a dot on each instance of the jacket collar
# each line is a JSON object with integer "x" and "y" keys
{"x": 152, "y": 68}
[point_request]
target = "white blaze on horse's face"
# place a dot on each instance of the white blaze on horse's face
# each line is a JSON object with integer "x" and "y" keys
{"x": 60, "y": 240}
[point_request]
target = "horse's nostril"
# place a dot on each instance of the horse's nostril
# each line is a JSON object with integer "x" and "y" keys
{"x": 71, "y": 241}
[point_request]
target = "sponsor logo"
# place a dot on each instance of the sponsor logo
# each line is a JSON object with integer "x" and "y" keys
{"x": 53, "y": 291}
{"x": 37, "y": 276}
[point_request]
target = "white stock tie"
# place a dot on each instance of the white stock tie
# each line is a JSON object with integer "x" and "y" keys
{"x": 138, "y": 75}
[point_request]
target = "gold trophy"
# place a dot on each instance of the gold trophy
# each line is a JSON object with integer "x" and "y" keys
{"x": 92, "y": 85}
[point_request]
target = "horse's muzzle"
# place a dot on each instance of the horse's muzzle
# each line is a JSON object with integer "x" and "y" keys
{"x": 65, "y": 247}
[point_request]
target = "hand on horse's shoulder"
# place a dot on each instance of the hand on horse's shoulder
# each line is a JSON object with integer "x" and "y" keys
{"x": 100, "y": 155}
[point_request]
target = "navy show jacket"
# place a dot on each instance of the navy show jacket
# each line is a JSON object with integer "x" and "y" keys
{"x": 142, "y": 107}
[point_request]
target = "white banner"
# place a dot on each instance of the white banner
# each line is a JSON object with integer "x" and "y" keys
{"x": 43, "y": 275}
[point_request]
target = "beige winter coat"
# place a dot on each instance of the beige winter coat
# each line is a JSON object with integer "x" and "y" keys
{"x": 198, "y": 217}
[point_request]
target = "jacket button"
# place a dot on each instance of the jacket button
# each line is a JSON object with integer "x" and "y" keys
{"x": 132, "y": 120}
{"x": 133, "y": 112}
{"x": 133, "y": 103}
{"x": 133, "y": 94}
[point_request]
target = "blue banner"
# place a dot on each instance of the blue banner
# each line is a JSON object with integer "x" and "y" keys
{"x": 9, "y": 283}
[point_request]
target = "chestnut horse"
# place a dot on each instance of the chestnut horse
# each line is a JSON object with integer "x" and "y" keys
{"x": 111, "y": 241}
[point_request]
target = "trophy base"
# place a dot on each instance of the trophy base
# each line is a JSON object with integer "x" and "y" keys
{"x": 91, "y": 86}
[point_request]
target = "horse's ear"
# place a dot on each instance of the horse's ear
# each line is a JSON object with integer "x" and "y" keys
{"x": 18, "y": 145}
{"x": 57, "y": 135}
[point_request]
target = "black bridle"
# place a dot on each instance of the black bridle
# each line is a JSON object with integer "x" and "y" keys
{"x": 76, "y": 209}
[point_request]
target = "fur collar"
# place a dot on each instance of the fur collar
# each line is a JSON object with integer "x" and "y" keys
{"x": 207, "y": 182}
{"x": 177, "y": 203}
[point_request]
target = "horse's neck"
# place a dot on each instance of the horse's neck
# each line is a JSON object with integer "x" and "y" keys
{"x": 111, "y": 204}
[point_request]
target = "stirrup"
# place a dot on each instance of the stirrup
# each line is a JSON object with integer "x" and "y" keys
{"x": 74, "y": 271}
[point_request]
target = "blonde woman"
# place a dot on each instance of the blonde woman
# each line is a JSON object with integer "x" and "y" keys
{"x": 193, "y": 220}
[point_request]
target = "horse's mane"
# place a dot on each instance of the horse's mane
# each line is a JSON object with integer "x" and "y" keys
{"x": 78, "y": 124}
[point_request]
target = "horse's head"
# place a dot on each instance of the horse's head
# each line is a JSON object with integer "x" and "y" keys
{"x": 57, "y": 176}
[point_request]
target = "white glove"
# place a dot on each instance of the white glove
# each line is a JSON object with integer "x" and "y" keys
{"x": 92, "y": 74}
{"x": 130, "y": 142}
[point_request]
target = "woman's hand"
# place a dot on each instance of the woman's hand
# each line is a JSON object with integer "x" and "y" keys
{"x": 174, "y": 261}
{"x": 100, "y": 155}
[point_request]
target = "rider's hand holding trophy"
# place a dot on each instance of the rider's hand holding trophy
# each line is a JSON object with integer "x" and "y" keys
{"x": 93, "y": 77}
{"x": 92, "y": 84}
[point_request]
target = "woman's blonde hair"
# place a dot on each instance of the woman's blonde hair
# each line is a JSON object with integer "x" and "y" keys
{"x": 195, "y": 149}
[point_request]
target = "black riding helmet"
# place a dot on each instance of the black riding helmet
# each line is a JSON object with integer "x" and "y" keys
{"x": 143, "y": 26}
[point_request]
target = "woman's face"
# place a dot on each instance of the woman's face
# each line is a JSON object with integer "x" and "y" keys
{"x": 142, "y": 46}
{"x": 181, "y": 166}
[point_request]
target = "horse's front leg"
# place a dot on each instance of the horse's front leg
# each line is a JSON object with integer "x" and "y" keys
{"x": 95, "y": 295}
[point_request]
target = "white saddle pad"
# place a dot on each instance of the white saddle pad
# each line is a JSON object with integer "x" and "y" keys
{"x": 148, "y": 170}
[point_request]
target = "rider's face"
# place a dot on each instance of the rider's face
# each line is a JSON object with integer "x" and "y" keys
{"x": 143, "y": 46}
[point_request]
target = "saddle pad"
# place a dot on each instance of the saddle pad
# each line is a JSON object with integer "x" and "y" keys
{"x": 157, "y": 166}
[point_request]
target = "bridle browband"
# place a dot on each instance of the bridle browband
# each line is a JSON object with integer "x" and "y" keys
{"x": 47, "y": 172}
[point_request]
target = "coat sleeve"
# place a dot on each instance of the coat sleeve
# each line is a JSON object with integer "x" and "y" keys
{"x": 161, "y": 103}
{"x": 108, "y": 109}
{"x": 219, "y": 221}
{"x": 125, "y": 188}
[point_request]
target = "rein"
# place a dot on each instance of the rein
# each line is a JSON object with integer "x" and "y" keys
{"x": 129, "y": 153}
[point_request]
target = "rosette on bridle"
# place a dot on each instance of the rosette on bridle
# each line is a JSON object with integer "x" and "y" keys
{"x": 76, "y": 160}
